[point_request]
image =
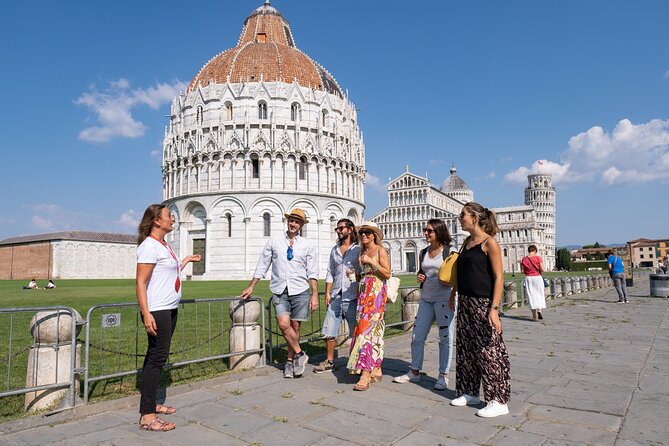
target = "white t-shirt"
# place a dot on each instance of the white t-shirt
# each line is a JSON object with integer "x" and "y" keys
{"x": 160, "y": 292}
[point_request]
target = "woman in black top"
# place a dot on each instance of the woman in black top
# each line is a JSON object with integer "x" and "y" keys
{"x": 480, "y": 350}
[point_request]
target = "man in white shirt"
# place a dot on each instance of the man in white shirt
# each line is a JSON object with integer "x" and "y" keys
{"x": 294, "y": 262}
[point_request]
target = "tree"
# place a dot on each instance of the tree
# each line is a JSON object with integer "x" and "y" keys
{"x": 563, "y": 259}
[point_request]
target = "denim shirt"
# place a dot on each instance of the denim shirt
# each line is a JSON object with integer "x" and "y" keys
{"x": 336, "y": 274}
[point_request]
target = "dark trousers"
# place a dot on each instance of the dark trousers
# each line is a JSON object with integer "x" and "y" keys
{"x": 156, "y": 356}
{"x": 481, "y": 353}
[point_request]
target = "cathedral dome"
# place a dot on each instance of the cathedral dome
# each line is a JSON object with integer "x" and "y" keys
{"x": 454, "y": 183}
{"x": 266, "y": 51}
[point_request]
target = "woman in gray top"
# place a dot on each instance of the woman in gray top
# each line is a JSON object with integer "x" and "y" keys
{"x": 433, "y": 306}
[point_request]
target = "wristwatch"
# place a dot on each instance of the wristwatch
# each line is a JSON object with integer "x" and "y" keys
{"x": 495, "y": 307}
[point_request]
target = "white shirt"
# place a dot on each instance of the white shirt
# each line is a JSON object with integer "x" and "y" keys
{"x": 292, "y": 274}
{"x": 160, "y": 292}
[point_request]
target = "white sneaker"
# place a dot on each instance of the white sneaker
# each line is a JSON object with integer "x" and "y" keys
{"x": 465, "y": 400}
{"x": 408, "y": 377}
{"x": 442, "y": 383}
{"x": 493, "y": 409}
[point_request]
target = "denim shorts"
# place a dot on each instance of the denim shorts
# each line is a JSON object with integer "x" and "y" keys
{"x": 297, "y": 306}
{"x": 337, "y": 311}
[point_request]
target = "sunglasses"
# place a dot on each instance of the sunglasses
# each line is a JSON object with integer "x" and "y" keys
{"x": 428, "y": 230}
{"x": 340, "y": 228}
{"x": 289, "y": 254}
{"x": 365, "y": 232}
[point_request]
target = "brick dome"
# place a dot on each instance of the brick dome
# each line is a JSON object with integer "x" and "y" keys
{"x": 266, "y": 51}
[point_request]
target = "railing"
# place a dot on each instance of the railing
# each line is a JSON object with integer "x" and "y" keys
{"x": 114, "y": 349}
{"x": 19, "y": 385}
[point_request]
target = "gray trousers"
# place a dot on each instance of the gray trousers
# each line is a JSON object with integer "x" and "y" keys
{"x": 621, "y": 286}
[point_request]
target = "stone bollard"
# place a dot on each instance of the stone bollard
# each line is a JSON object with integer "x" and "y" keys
{"x": 566, "y": 286}
{"x": 411, "y": 298}
{"x": 575, "y": 285}
{"x": 556, "y": 291}
{"x": 589, "y": 284}
{"x": 50, "y": 358}
{"x": 245, "y": 332}
{"x": 510, "y": 298}
{"x": 584, "y": 284}
{"x": 600, "y": 281}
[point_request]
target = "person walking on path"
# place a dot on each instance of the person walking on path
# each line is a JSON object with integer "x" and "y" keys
{"x": 366, "y": 353}
{"x": 341, "y": 289}
{"x": 294, "y": 285}
{"x": 532, "y": 266}
{"x": 433, "y": 306}
{"x": 481, "y": 352}
{"x": 617, "y": 273}
{"x": 158, "y": 288}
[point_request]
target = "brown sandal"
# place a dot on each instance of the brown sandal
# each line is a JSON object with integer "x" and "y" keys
{"x": 157, "y": 425}
{"x": 165, "y": 410}
{"x": 362, "y": 384}
{"x": 377, "y": 377}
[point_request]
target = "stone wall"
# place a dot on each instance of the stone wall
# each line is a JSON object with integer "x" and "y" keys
{"x": 27, "y": 261}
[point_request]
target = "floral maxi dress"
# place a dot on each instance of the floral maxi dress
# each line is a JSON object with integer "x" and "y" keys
{"x": 367, "y": 344}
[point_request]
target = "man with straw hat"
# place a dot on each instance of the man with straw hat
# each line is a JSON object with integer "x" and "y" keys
{"x": 294, "y": 285}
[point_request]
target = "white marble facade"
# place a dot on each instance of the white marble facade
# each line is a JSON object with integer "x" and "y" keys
{"x": 80, "y": 259}
{"x": 241, "y": 152}
{"x": 413, "y": 200}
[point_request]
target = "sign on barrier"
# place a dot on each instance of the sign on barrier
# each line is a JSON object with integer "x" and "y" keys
{"x": 111, "y": 320}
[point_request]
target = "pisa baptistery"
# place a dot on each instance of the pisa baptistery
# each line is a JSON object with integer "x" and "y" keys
{"x": 262, "y": 128}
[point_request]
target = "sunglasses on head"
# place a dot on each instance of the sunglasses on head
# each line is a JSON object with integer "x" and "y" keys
{"x": 289, "y": 254}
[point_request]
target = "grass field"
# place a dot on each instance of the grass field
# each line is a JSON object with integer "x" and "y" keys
{"x": 202, "y": 331}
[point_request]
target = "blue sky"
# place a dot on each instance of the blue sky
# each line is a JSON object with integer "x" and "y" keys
{"x": 491, "y": 86}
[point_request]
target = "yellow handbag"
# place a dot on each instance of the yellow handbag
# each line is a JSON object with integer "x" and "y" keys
{"x": 448, "y": 271}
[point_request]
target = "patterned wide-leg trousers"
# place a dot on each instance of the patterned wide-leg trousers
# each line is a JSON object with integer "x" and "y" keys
{"x": 481, "y": 355}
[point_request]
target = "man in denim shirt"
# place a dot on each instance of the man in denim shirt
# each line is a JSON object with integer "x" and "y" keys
{"x": 294, "y": 285}
{"x": 341, "y": 288}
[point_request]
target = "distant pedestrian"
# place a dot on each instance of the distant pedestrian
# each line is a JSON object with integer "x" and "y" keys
{"x": 532, "y": 266}
{"x": 617, "y": 273}
{"x": 366, "y": 353}
{"x": 158, "y": 288}
{"x": 294, "y": 284}
{"x": 341, "y": 289}
{"x": 50, "y": 285}
{"x": 32, "y": 285}
{"x": 481, "y": 352}
{"x": 433, "y": 306}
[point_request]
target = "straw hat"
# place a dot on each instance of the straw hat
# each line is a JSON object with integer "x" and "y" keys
{"x": 298, "y": 214}
{"x": 378, "y": 234}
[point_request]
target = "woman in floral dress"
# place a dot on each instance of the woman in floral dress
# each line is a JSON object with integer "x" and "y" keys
{"x": 366, "y": 353}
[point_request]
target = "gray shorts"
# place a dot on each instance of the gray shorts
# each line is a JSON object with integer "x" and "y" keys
{"x": 297, "y": 306}
{"x": 339, "y": 310}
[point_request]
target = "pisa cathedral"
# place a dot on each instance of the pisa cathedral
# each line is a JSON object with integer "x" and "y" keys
{"x": 413, "y": 200}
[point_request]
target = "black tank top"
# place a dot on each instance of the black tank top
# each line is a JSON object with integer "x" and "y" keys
{"x": 475, "y": 276}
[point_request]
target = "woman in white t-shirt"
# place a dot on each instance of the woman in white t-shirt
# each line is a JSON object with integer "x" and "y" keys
{"x": 158, "y": 288}
{"x": 433, "y": 306}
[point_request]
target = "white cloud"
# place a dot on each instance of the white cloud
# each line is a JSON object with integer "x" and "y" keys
{"x": 434, "y": 162}
{"x": 53, "y": 217}
{"x": 666, "y": 74}
{"x": 490, "y": 175}
{"x": 114, "y": 106}
{"x": 374, "y": 183}
{"x": 628, "y": 154}
{"x": 129, "y": 219}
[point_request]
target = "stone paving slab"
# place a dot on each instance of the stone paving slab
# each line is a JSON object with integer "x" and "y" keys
{"x": 593, "y": 372}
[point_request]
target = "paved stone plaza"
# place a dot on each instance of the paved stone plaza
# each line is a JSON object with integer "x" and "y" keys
{"x": 594, "y": 372}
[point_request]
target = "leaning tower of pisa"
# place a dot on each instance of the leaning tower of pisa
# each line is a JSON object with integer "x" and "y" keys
{"x": 540, "y": 194}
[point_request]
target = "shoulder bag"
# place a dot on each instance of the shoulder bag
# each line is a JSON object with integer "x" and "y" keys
{"x": 448, "y": 272}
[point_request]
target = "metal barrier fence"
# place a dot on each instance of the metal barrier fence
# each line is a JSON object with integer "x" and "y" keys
{"x": 19, "y": 385}
{"x": 114, "y": 349}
